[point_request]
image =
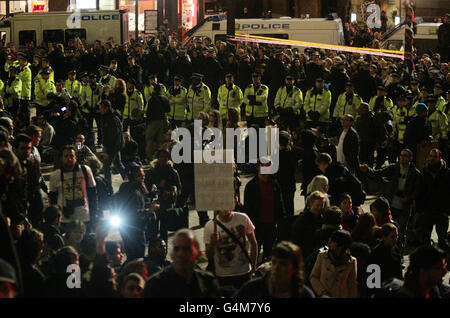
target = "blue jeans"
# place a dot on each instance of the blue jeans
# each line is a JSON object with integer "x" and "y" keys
{"x": 116, "y": 159}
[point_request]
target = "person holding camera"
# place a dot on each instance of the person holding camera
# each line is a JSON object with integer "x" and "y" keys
{"x": 132, "y": 202}
{"x": 73, "y": 188}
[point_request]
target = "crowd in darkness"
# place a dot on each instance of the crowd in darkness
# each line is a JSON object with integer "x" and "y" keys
{"x": 349, "y": 125}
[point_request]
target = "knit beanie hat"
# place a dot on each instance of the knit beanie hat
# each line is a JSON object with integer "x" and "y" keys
{"x": 421, "y": 108}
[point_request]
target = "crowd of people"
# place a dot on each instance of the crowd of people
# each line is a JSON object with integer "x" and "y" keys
{"x": 349, "y": 124}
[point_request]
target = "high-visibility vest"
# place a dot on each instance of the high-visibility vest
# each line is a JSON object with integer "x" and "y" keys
{"x": 198, "y": 100}
{"x": 177, "y": 103}
{"x": 73, "y": 88}
{"x": 25, "y": 76}
{"x": 402, "y": 116}
{"x": 51, "y": 77}
{"x": 387, "y": 102}
{"x": 229, "y": 98}
{"x": 439, "y": 123}
{"x": 14, "y": 90}
{"x": 133, "y": 101}
{"x": 344, "y": 107}
{"x": 292, "y": 100}
{"x": 261, "y": 94}
{"x": 319, "y": 102}
{"x": 41, "y": 89}
{"x": 91, "y": 97}
{"x": 148, "y": 92}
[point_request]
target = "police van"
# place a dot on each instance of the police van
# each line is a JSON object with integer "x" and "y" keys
{"x": 21, "y": 28}
{"x": 328, "y": 31}
{"x": 425, "y": 39}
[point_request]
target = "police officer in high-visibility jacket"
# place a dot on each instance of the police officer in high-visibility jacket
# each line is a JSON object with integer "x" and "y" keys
{"x": 25, "y": 97}
{"x": 43, "y": 85}
{"x": 46, "y": 65}
{"x": 438, "y": 120}
{"x": 177, "y": 96}
{"x": 317, "y": 105}
{"x": 403, "y": 113}
{"x": 347, "y": 103}
{"x": 414, "y": 89}
{"x": 2, "y": 94}
{"x": 381, "y": 102}
{"x": 255, "y": 99}
{"x": 150, "y": 88}
{"x": 229, "y": 96}
{"x": 288, "y": 102}
{"x": 13, "y": 90}
{"x": 91, "y": 96}
{"x": 439, "y": 93}
{"x": 134, "y": 102}
{"x": 106, "y": 80}
{"x": 73, "y": 85}
{"x": 198, "y": 97}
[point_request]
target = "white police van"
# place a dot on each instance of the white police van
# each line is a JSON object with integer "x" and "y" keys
{"x": 328, "y": 31}
{"x": 21, "y": 28}
{"x": 425, "y": 40}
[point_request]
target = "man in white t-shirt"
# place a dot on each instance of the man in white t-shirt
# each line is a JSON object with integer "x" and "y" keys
{"x": 232, "y": 266}
{"x": 75, "y": 190}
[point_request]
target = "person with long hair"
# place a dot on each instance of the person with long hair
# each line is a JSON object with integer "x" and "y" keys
{"x": 364, "y": 228}
{"x": 284, "y": 279}
{"x": 319, "y": 183}
{"x": 117, "y": 97}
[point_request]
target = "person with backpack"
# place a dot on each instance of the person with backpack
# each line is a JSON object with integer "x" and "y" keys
{"x": 112, "y": 142}
{"x": 73, "y": 188}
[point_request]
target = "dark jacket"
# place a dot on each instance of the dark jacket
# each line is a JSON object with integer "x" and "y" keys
{"x": 135, "y": 73}
{"x": 286, "y": 171}
{"x": 158, "y": 107}
{"x": 309, "y": 155}
{"x": 351, "y": 150}
{"x": 389, "y": 259}
{"x": 365, "y": 85}
{"x": 155, "y": 265}
{"x": 168, "y": 284}
{"x": 434, "y": 194}
{"x": 113, "y": 136}
{"x": 304, "y": 229}
{"x": 364, "y": 126}
{"x": 259, "y": 288}
{"x": 417, "y": 131}
{"x": 392, "y": 174}
{"x": 52, "y": 237}
{"x": 252, "y": 200}
{"x": 341, "y": 180}
{"x": 118, "y": 101}
{"x": 33, "y": 281}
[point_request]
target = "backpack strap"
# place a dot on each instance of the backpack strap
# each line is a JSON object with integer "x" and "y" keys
{"x": 235, "y": 239}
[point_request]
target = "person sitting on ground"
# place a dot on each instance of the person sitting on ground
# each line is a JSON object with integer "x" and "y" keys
{"x": 156, "y": 259}
{"x": 114, "y": 255}
{"x": 334, "y": 273}
{"x": 53, "y": 239}
{"x": 308, "y": 222}
{"x": 319, "y": 183}
{"x": 83, "y": 152}
{"x": 423, "y": 279}
{"x": 349, "y": 214}
{"x": 75, "y": 232}
{"x": 387, "y": 254}
{"x": 284, "y": 279}
{"x": 132, "y": 286}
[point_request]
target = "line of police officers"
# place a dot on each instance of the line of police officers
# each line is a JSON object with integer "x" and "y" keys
{"x": 290, "y": 109}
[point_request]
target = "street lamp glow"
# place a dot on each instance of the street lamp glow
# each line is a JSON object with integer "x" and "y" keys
{"x": 353, "y": 18}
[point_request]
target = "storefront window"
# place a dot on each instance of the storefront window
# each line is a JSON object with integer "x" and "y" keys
{"x": 131, "y": 6}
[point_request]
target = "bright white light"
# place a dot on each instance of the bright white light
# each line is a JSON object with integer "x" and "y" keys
{"x": 353, "y": 18}
{"x": 115, "y": 221}
{"x": 397, "y": 20}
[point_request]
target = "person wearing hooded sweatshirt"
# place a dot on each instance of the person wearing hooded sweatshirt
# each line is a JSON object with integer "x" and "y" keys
{"x": 433, "y": 202}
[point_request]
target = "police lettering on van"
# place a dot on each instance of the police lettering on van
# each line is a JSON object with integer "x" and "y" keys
{"x": 261, "y": 26}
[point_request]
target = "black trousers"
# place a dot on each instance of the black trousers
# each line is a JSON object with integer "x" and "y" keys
{"x": 426, "y": 223}
{"x": 260, "y": 121}
{"x": 35, "y": 209}
{"x": 90, "y": 117}
{"x": 266, "y": 234}
{"x": 288, "y": 199}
